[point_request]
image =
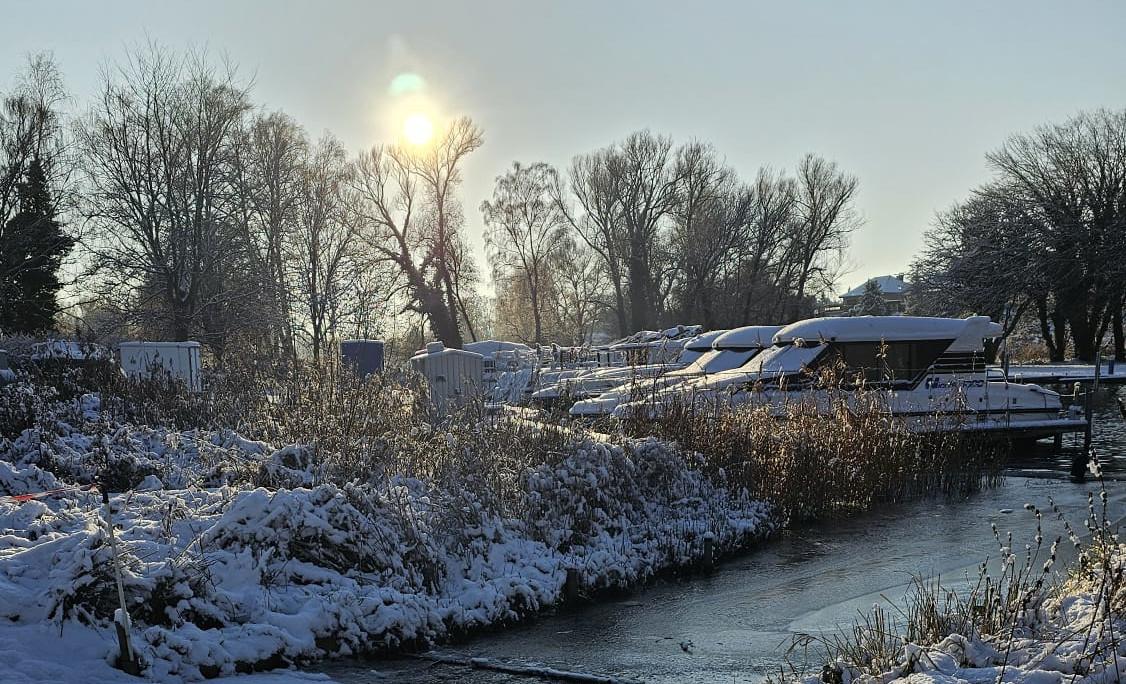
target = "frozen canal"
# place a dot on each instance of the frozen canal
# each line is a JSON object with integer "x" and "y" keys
{"x": 735, "y": 624}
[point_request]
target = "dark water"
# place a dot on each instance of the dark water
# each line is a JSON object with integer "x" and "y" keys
{"x": 735, "y": 624}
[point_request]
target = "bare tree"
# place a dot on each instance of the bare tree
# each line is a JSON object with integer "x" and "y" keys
{"x": 579, "y": 292}
{"x": 761, "y": 275}
{"x": 597, "y": 222}
{"x": 407, "y": 203}
{"x": 525, "y": 230}
{"x": 824, "y": 221}
{"x": 710, "y": 232}
{"x": 271, "y": 158}
{"x": 1071, "y": 178}
{"x": 158, "y": 151}
{"x": 323, "y": 252}
{"x": 963, "y": 268}
{"x": 625, "y": 193}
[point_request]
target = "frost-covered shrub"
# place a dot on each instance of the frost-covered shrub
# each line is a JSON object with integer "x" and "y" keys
{"x": 322, "y": 526}
{"x": 81, "y": 575}
{"x": 590, "y": 490}
{"x": 290, "y": 467}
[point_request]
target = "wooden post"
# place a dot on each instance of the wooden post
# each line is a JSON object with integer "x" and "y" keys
{"x": 571, "y": 585}
{"x": 1089, "y": 405}
{"x": 1079, "y": 461}
{"x": 709, "y": 543}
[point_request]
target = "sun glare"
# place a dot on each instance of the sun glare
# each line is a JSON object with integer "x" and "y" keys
{"x": 417, "y": 128}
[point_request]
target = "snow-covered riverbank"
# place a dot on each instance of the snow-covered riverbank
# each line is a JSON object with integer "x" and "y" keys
{"x": 232, "y": 578}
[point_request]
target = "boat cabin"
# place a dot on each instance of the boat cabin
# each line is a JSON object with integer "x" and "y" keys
{"x": 894, "y": 352}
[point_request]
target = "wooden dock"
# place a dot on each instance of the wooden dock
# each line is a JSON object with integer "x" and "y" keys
{"x": 1061, "y": 373}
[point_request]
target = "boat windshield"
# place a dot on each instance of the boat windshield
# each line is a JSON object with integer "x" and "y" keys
{"x": 717, "y": 361}
{"x": 782, "y": 361}
{"x": 689, "y": 356}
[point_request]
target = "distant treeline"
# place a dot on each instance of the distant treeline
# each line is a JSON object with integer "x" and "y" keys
{"x": 174, "y": 207}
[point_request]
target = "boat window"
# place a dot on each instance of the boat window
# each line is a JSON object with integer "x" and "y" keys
{"x": 782, "y": 360}
{"x": 893, "y": 364}
{"x": 691, "y": 355}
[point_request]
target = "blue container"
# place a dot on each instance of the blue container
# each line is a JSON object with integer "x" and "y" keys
{"x": 364, "y": 357}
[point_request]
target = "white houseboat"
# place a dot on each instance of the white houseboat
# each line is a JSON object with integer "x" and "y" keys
{"x": 928, "y": 372}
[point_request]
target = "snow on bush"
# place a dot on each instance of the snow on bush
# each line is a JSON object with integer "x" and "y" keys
{"x": 223, "y": 575}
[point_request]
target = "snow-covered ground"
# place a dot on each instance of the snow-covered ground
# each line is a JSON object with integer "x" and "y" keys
{"x": 222, "y": 577}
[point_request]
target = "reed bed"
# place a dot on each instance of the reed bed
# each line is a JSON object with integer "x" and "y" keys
{"x": 830, "y": 451}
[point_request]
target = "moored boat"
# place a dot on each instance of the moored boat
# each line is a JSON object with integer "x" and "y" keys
{"x": 927, "y": 373}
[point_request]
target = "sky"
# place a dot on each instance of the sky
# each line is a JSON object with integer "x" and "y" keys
{"x": 907, "y": 96}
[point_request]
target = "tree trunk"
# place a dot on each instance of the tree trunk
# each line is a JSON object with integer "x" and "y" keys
{"x": 1046, "y": 329}
{"x": 1082, "y": 334}
{"x": 640, "y": 306}
{"x": 1119, "y": 335}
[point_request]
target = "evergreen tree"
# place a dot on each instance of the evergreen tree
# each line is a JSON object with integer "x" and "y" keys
{"x": 871, "y": 302}
{"x": 32, "y": 248}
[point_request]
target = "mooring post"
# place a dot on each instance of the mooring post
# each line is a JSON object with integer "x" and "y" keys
{"x": 128, "y": 659}
{"x": 571, "y": 585}
{"x": 709, "y": 543}
{"x": 1089, "y": 405}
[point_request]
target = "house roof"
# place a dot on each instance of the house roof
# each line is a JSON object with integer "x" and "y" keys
{"x": 887, "y": 285}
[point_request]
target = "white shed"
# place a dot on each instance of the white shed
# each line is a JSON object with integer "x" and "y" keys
{"x": 176, "y": 360}
{"x": 453, "y": 375}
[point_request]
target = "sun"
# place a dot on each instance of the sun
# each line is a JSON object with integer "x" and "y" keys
{"x": 418, "y": 128}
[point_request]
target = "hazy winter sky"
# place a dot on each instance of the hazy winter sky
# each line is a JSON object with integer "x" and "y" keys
{"x": 908, "y": 96}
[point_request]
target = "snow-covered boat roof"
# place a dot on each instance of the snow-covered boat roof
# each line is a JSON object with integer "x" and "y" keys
{"x": 967, "y": 333}
{"x": 680, "y": 332}
{"x": 703, "y": 341}
{"x": 491, "y": 347}
{"x": 747, "y": 337}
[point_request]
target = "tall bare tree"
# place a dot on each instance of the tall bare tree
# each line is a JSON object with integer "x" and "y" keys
{"x": 625, "y": 193}
{"x": 525, "y": 230}
{"x": 1056, "y": 207}
{"x": 271, "y": 158}
{"x": 406, "y": 199}
{"x": 711, "y": 220}
{"x": 158, "y": 152}
{"x": 323, "y": 253}
{"x": 824, "y": 220}
{"x": 1071, "y": 178}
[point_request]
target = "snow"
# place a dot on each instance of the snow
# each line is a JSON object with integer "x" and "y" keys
{"x": 747, "y": 337}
